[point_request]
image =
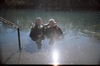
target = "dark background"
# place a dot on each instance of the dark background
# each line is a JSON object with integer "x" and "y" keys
{"x": 52, "y": 4}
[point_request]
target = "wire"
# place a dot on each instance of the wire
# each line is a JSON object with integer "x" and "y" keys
{"x": 12, "y": 55}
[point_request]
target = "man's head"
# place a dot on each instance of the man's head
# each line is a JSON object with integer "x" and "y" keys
{"x": 38, "y": 21}
{"x": 52, "y": 22}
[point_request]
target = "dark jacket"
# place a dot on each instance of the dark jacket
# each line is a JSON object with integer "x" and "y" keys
{"x": 35, "y": 31}
{"x": 53, "y": 32}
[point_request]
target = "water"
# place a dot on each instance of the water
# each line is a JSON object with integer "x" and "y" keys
{"x": 75, "y": 48}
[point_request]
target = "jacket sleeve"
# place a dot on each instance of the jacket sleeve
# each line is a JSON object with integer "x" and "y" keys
{"x": 60, "y": 31}
{"x": 45, "y": 31}
{"x": 32, "y": 33}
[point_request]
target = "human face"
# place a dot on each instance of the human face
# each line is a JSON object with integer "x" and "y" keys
{"x": 51, "y": 23}
{"x": 38, "y": 22}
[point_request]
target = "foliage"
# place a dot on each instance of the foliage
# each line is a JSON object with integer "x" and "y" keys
{"x": 54, "y": 4}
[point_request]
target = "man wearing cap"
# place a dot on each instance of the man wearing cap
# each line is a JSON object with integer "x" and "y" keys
{"x": 37, "y": 32}
{"x": 53, "y": 32}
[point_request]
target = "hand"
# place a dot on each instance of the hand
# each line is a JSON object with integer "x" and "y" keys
{"x": 39, "y": 36}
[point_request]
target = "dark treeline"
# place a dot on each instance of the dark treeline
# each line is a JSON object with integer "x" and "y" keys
{"x": 52, "y": 4}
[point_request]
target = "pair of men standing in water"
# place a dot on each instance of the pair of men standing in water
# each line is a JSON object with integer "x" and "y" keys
{"x": 39, "y": 31}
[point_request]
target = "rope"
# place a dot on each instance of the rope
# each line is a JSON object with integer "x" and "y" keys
{"x": 19, "y": 56}
{"x": 8, "y": 22}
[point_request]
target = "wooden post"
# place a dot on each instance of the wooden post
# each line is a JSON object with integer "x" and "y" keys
{"x": 19, "y": 38}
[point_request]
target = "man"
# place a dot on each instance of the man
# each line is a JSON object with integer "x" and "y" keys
{"x": 37, "y": 32}
{"x": 53, "y": 32}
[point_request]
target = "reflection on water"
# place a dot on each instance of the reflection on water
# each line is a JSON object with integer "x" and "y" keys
{"x": 55, "y": 57}
{"x": 75, "y": 48}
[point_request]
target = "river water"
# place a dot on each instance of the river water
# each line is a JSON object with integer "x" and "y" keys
{"x": 75, "y": 48}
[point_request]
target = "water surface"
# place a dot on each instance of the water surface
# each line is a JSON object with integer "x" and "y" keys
{"x": 75, "y": 48}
